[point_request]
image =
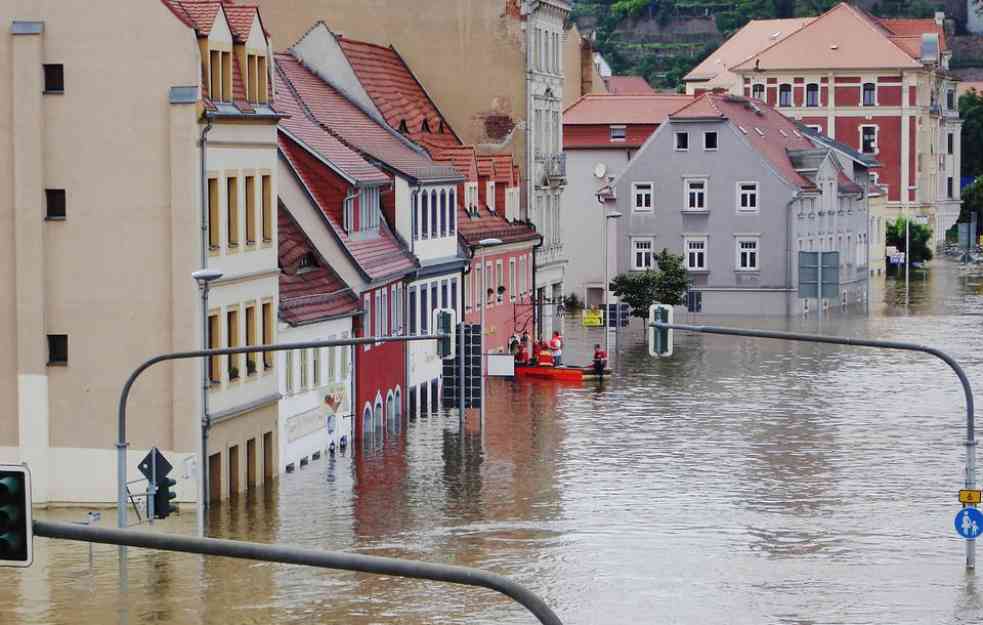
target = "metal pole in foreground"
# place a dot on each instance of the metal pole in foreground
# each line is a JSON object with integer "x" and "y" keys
{"x": 308, "y": 557}
{"x": 911, "y": 347}
{"x": 121, "y": 443}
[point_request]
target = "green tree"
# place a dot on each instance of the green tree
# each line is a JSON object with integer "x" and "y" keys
{"x": 972, "y": 197}
{"x": 665, "y": 285}
{"x": 971, "y": 112}
{"x": 920, "y": 237}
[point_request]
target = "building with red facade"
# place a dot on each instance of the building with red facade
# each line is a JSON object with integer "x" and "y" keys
{"x": 879, "y": 86}
{"x": 334, "y": 194}
{"x": 486, "y": 196}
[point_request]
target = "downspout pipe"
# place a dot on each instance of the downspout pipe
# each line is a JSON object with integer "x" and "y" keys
{"x": 788, "y": 252}
{"x": 205, "y": 382}
{"x": 535, "y": 290}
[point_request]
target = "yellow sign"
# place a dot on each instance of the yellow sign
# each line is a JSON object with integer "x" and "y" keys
{"x": 593, "y": 318}
{"x": 970, "y": 496}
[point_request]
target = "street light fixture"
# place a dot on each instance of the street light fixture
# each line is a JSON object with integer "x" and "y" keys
{"x": 607, "y": 282}
{"x": 204, "y": 278}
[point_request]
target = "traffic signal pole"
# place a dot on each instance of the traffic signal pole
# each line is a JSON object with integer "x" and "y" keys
{"x": 121, "y": 442}
{"x": 336, "y": 560}
{"x": 970, "y": 479}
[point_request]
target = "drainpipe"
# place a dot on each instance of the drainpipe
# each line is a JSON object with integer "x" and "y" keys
{"x": 205, "y": 382}
{"x": 535, "y": 290}
{"x": 788, "y": 252}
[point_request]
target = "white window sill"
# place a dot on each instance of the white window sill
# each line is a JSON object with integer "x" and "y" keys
{"x": 701, "y": 271}
{"x": 747, "y": 271}
{"x": 643, "y": 210}
{"x": 695, "y": 211}
{"x": 748, "y": 211}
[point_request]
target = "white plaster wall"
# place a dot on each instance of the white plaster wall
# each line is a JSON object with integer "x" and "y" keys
{"x": 305, "y": 401}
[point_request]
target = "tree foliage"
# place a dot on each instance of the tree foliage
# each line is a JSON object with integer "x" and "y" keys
{"x": 972, "y": 197}
{"x": 971, "y": 112}
{"x": 667, "y": 70}
{"x": 667, "y": 284}
{"x": 920, "y": 239}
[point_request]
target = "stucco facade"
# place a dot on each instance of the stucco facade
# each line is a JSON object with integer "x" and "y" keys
{"x": 112, "y": 274}
{"x": 735, "y": 216}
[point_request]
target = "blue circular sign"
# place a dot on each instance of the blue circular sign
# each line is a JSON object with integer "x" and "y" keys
{"x": 969, "y": 523}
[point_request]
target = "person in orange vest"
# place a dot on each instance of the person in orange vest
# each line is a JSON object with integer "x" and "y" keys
{"x": 556, "y": 346}
{"x": 545, "y": 358}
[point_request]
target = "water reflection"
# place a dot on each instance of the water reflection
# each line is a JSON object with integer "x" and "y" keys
{"x": 738, "y": 482}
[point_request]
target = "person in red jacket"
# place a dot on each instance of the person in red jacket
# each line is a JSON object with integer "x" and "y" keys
{"x": 600, "y": 360}
{"x": 556, "y": 346}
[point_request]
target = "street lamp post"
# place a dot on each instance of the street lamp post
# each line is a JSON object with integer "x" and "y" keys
{"x": 607, "y": 282}
{"x": 204, "y": 278}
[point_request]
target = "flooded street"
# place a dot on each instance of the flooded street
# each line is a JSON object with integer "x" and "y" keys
{"x": 741, "y": 481}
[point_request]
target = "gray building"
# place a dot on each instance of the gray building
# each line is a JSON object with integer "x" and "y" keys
{"x": 738, "y": 189}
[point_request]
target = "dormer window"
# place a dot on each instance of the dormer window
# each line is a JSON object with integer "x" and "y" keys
{"x": 368, "y": 210}
{"x": 307, "y": 262}
{"x": 490, "y": 195}
{"x": 256, "y": 85}
{"x": 440, "y": 128}
{"x": 425, "y": 127}
{"x": 402, "y": 127}
{"x": 220, "y": 75}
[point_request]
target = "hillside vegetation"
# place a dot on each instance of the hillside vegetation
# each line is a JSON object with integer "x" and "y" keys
{"x": 663, "y": 39}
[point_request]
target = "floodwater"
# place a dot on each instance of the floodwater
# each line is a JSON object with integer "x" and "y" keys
{"x": 740, "y": 481}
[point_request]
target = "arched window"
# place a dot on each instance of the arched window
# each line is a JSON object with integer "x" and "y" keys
{"x": 392, "y": 425}
{"x": 434, "y": 226}
{"x": 425, "y": 215}
{"x": 812, "y": 95}
{"x": 758, "y": 91}
{"x": 452, "y": 215}
{"x": 378, "y": 416}
{"x": 785, "y": 95}
{"x": 443, "y": 213}
{"x": 367, "y": 427}
{"x": 870, "y": 94}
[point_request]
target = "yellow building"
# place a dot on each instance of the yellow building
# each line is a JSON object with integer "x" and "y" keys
{"x": 103, "y": 110}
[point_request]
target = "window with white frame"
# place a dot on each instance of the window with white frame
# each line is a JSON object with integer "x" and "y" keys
{"x": 512, "y": 280}
{"x": 869, "y": 94}
{"x": 641, "y": 254}
{"x": 747, "y": 254}
{"x": 696, "y": 194}
{"x": 696, "y": 253}
{"x": 812, "y": 95}
{"x": 785, "y": 95}
{"x": 522, "y": 275}
{"x": 368, "y": 218}
{"x": 682, "y": 141}
{"x": 617, "y": 133}
{"x": 642, "y": 195}
{"x": 499, "y": 281}
{"x": 747, "y": 197}
{"x": 758, "y": 91}
{"x": 868, "y": 139}
{"x": 490, "y": 195}
{"x": 710, "y": 141}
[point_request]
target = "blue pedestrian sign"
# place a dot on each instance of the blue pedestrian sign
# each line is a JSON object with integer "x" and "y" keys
{"x": 969, "y": 523}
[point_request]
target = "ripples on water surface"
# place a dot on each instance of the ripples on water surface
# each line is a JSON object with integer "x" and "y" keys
{"x": 740, "y": 481}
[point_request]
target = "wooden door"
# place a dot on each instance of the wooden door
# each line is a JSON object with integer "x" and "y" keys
{"x": 215, "y": 477}
{"x": 268, "y": 456}
{"x": 251, "y": 463}
{"x": 233, "y": 471}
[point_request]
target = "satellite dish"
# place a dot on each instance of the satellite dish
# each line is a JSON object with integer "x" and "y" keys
{"x": 599, "y": 170}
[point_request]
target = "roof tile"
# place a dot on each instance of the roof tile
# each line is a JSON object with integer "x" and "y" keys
{"x": 378, "y": 257}
{"x": 627, "y": 85}
{"x": 623, "y": 109}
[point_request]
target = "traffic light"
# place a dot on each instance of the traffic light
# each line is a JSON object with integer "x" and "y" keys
{"x": 162, "y": 500}
{"x": 16, "y": 524}
{"x": 443, "y": 324}
{"x": 660, "y": 339}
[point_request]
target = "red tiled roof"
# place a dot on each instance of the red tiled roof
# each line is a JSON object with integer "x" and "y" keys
{"x": 379, "y": 257}
{"x": 908, "y": 33}
{"x": 396, "y": 92}
{"x": 603, "y": 108}
{"x": 504, "y": 170}
{"x": 769, "y": 132}
{"x": 197, "y": 14}
{"x": 486, "y": 167}
{"x": 627, "y": 85}
{"x": 240, "y": 18}
{"x": 489, "y": 225}
{"x": 461, "y": 157}
{"x": 312, "y": 293}
{"x": 354, "y": 127}
{"x": 305, "y": 129}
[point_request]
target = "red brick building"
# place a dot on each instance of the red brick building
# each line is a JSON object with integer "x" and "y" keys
{"x": 880, "y": 86}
